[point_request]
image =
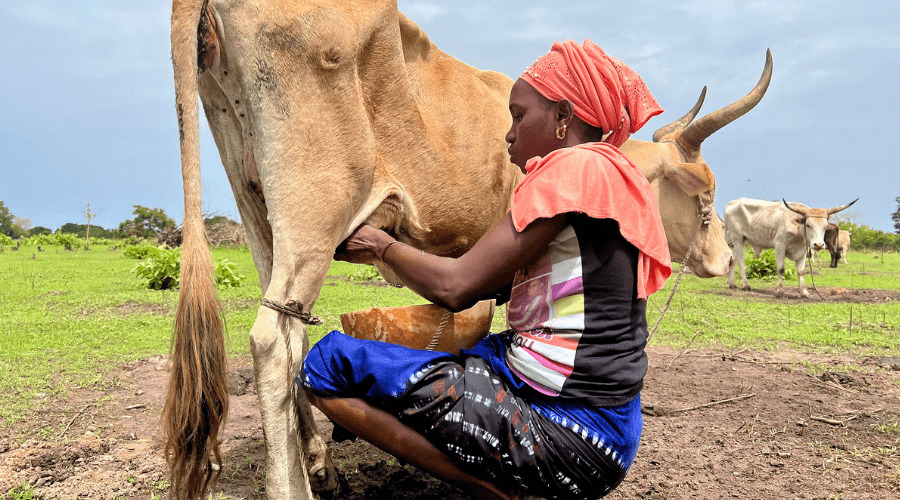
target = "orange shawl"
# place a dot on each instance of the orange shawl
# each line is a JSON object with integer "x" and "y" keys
{"x": 598, "y": 180}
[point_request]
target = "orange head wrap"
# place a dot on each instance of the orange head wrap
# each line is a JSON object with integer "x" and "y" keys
{"x": 606, "y": 92}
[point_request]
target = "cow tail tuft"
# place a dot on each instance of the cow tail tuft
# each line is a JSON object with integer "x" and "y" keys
{"x": 196, "y": 402}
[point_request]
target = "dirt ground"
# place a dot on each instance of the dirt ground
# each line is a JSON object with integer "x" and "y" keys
{"x": 718, "y": 424}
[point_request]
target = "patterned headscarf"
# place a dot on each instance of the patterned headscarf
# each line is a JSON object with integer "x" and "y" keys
{"x": 605, "y": 91}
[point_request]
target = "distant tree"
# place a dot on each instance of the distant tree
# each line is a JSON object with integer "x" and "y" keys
{"x": 23, "y": 223}
{"x": 81, "y": 230}
{"x": 216, "y": 219}
{"x": 39, "y": 230}
{"x": 846, "y": 216}
{"x": 148, "y": 222}
{"x": 896, "y": 216}
{"x": 8, "y": 223}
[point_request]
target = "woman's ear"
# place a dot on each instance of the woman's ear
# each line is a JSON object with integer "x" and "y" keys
{"x": 565, "y": 111}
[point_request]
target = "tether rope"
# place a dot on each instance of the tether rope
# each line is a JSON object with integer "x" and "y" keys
{"x": 705, "y": 210}
{"x": 294, "y": 309}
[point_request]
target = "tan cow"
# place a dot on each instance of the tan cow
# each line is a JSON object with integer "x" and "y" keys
{"x": 327, "y": 115}
{"x": 684, "y": 184}
{"x": 843, "y": 245}
{"x": 838, "y": 243}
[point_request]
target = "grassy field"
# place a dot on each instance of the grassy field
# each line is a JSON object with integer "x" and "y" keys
{"x": 70, "y": 317}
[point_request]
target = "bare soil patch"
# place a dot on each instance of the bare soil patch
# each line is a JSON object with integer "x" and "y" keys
{"x": 754, "y": 425}
{"x": 827, "y": 294}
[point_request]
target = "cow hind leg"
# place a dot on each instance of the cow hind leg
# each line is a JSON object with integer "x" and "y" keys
{"x": 779, "y": 265}
{"x": 801, "y": 270}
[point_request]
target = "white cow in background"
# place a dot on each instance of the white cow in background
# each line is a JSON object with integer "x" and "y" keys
{"x": 790, "y": 228}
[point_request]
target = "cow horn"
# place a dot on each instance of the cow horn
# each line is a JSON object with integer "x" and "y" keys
{"x": 835, "y": 210}
{"x": 797, "y": 207}
{"x": 681, "y": 122}
{"x": 695, "y": 133}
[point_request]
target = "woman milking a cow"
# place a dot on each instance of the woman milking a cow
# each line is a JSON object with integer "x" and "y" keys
{"x": 550, "y": 407}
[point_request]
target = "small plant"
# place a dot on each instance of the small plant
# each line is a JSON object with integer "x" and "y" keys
{"x": 25, "y": 491}
{"x": 160, "y": 486}
{"x": 226, "y": 275}
{"x": 365, "y": 273}
{"x": 140, "y": 251}
{"x": 765, "y": 267}
{"x": 889, "y": 429}
{"x": 161, "y": 271}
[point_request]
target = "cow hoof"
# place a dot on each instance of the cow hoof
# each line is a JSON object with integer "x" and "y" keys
{"x": 747, "y": 288}
{"x": 732, "y": 286}
{"x": 323, "y": 475}
{"x": 779, "y": 294}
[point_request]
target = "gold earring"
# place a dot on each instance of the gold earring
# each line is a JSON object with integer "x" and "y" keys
{"x": 561, "y": 133}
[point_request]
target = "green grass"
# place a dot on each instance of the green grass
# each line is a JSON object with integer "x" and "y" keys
{"x": 70, "y": 317}
{"x": 742, "y": 320}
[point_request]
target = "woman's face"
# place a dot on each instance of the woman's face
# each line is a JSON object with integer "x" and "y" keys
{"x": 534, "y": 123}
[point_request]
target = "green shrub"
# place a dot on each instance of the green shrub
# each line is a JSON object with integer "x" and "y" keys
{"x": 863, "y": 237}
{"x": 141, "y": 251}
{"x": 226, "y": 275}
{"x": 765, "y": 267}
{"x": 160, "y": 270}
{"x": 39, "y": 240}
{"x": 5, "y": 240}
{"x": 67, "y": 240}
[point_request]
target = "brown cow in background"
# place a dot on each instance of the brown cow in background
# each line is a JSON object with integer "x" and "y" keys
{"x": 837, "y": 241}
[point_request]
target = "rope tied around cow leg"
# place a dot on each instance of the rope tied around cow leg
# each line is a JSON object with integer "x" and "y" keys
{"x": 294, "y": 309}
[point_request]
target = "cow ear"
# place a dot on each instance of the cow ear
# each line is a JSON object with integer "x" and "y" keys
{"x": 693, "y": 178}
{"x": 798, "y": 221}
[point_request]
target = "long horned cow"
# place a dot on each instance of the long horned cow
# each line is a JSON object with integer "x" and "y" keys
{"x": 792, "y": 229}
{"x": 684, "y": 184}
{"x": 327, "y": 115}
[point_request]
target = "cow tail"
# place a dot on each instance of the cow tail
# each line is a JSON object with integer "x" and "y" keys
{"x": 197, "y": 397}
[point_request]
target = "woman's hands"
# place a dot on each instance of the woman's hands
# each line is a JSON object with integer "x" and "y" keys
{"x": 364, "y": 246}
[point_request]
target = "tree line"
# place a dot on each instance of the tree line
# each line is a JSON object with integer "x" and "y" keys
{"x": 146, "y": 223}
{"x": 151, "y": 222}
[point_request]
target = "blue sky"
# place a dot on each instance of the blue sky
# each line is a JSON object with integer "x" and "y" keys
{"x": 87, "y": 97}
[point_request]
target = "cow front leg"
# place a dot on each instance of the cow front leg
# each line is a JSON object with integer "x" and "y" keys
{"x": 738, "y": 252}
{"x": 801, "y": 267}
{"x": 285, "y": 475}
